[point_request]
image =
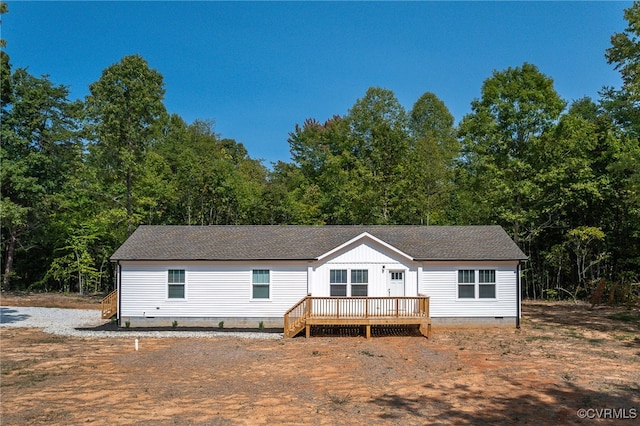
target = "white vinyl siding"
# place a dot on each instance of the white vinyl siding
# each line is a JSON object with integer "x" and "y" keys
{"x": 439, "y": 281}
{"x": 214, "y": 289}
{"x": 367, "y": 255}
{"x": 225, "y": 289}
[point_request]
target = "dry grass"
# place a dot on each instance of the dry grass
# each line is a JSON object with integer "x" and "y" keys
{"x": 51, "y": 300}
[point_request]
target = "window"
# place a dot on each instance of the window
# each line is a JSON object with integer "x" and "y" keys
{"x": 338, "y": 281}
{"x": 260, "y": 282}
{"x": 359, "y": 282}
{"x": 486, "y": 284}
{"x": 466, "y": 284}
{"x": 176, "y": 284}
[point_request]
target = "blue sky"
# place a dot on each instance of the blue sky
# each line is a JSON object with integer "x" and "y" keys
{"x": 257, "y": 69}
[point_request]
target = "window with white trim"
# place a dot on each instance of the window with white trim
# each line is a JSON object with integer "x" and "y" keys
{"x": 482, "y": 288}
{"x": 345, "y": 282}
{"x": 260, "y": 280}
{"x": 176, "y": 284}
{"x": 359, "y": 282}
{"x": 466, "y": 284}
{"x": 338, "y": 282}
{"x": 487, "y": 284}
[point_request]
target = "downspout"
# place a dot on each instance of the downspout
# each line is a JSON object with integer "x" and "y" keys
{"x": 518, "y": 295}
{"x": 118, "y": 275}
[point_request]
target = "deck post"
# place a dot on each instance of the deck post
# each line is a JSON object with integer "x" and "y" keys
{"x": 368, "y": 331}
{"x": 307, "y": 331}
{"x": 308, "y": 307}
{"x": 286, "y": 325}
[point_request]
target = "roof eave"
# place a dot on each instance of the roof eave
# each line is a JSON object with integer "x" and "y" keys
{"x": 182, "y": 259}
{"x": 470, "y": 259}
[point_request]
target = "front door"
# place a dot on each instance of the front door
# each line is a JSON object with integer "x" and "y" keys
{"x": 395, "y": 284}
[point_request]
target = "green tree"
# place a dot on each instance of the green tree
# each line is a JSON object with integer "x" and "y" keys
{"x": 623, "y": 155}
{"x": 431, "y": 161}
{"x": 517, "y": 106}
{"x": 290, "y": 199}
{"x": 39, "y": 147}
{"x": 500, "y": 168}
{"x": 218, "y": 182}
{"x": 126, "y": 112}
{"x": 4, "y": 8}
{"x": 80, "y": 228}
{"x": 378, "y": 135}
{"x": 625, "y": 53}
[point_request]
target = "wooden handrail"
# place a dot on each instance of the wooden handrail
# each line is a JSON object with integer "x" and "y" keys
{"x": 109, "y": 305}
{"x": 294, "y": 318}
{"x": 297, "y": 304}
{"x": 345, "y": 309}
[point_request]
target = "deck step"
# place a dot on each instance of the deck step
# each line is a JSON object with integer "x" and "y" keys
{"x": 109, "y": 305}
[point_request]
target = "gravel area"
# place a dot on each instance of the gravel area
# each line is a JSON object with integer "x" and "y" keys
{"x": 65, "y": 322}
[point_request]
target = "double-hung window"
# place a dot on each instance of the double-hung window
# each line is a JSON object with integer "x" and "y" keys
{"x": 338, "y": 282}
{"x": 359, "y": 282}
{"x": 487, "y": 284}
{"x": 355, "y": 279}
{"x": 176, "y": 284}
{"x": 466, "y": 284}
{"x": 484, "y": 287}
{"x": 260, "y": 281}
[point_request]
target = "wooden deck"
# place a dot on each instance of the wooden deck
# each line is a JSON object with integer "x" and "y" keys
{"x": 109, "y": 305}
{"x": 365, "y": 311}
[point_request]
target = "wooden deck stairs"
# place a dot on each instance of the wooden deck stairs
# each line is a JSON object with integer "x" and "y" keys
{"x": 360, "y": 311}
{"x": 109, "y": 305}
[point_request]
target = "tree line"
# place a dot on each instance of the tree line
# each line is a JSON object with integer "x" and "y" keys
{"x": 78, "y": 176}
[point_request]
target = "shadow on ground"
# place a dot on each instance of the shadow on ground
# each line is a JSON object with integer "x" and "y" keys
{"x": 582, "y": 315}
{"x": 11, "y": 316}
{"x": 554, "y": 404}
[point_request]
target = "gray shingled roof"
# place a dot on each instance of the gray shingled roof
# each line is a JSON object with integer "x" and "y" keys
{"x": 291, "y": 242}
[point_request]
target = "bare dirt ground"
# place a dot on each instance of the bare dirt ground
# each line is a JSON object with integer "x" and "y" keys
{"x": 51, "y": 300}
{"x": 565, "y": 358}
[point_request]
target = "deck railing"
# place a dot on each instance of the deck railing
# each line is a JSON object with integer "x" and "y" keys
{"x": 355, "y": 310}
{"x": 109, "y": 305}
{"x": 368, "y": 307}
{"x": 294, "y": 318}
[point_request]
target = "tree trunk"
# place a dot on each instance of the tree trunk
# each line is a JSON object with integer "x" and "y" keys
{"x": 8, "y": 264}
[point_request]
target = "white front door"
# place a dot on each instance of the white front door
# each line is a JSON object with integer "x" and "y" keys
{"x": 395, "y": 284}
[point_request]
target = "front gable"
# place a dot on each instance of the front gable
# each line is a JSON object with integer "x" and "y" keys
{"x": 364, "y": 247}
{"x": 366, "y": 256}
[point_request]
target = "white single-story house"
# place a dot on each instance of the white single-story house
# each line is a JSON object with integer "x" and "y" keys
{"x": 246, "y": 275}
